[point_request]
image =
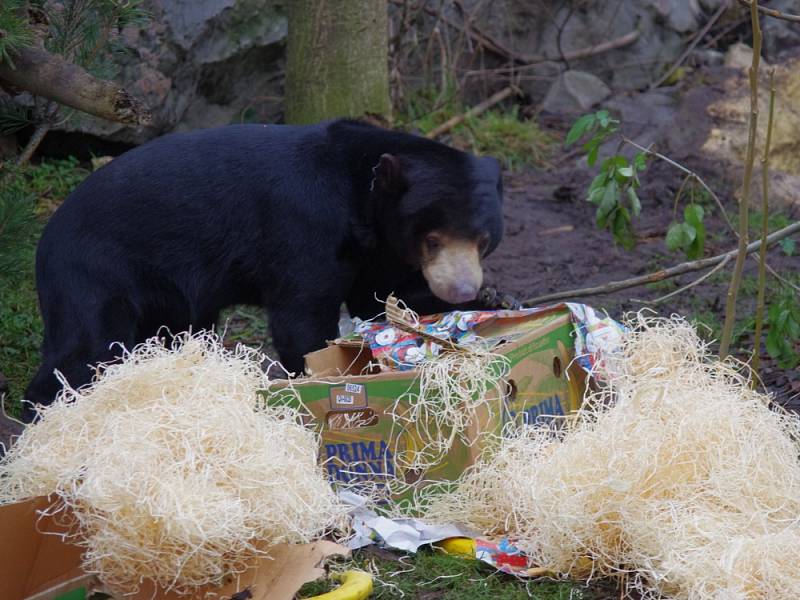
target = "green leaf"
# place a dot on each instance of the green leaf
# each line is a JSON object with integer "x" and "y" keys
{"x": 601, "y": 218}
{"x": 773, "y": 312}
{"x": 603, "y": 117}
{"x": 614, "y": 162}
{"x": 598, "y": 183}
{"x": 626, "y": 172}
{"x": 689, "y": 234}
{"x": 636, "y": 205}
{"x": 773, "y": 348}
{"x": 592, "y": 156}
{"x": 697, "y": 246}
{"x": 623, "y": 229}
{"x": 793, "y": 329}
{"x": 610, "y": 200}
{"x": 788, "y": 246}
{"x": 597, "y": 195}
{"x": 674, "y": 238}
{"x": 580, "y": 127}
{"x": 640, "y": 161}
{"x": 680, "y": 236}
{"x": 783, "y": 318}
{"x": 693, "y": 214}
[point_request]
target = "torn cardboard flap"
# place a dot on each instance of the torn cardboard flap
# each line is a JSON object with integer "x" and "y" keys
{"x": 35, "y": 564}
{"x": 276, "y": 578}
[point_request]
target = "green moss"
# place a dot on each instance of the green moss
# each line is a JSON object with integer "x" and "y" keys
{"x": 432, "y": 574}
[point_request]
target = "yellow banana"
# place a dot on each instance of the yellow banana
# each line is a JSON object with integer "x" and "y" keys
{"x": 459, "y": 546}
{"x": 356, "y": 585}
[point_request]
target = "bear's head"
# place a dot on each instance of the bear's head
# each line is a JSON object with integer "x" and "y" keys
{"x": 442, "y": 212}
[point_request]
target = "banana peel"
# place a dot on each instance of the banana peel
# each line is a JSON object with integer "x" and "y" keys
{"x": 356, "y": 585}
{"x": 458, "y": 546}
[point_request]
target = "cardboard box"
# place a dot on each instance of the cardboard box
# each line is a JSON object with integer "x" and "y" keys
{"x": 37, "y": 565}
{"x": 353, "y": 410}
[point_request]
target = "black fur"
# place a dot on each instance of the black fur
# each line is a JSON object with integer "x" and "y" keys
{"x": 297, "y": 219}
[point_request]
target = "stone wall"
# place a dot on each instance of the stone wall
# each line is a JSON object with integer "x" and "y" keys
{"x": 202, "y": 63}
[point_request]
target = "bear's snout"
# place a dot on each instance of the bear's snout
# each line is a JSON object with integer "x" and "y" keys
{"x": 462, "y": 291}
{"x": 452, "y": 268}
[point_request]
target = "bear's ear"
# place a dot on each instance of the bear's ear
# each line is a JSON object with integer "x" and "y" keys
{"x": 388, "y": 176}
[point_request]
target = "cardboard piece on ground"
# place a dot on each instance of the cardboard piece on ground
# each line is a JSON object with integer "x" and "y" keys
{"x": 276, "y": 578}
{"x": 37, "y": 565}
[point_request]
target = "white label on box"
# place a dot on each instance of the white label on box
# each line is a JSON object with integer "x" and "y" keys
{"x": 353, "y": 388}
{"x": 344, "y": 399}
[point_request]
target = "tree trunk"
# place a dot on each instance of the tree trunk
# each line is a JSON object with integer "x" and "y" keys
{"x": 337, "y": 60}
{"x": 49, "y": 75}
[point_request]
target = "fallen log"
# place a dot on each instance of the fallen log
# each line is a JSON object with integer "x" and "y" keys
{"x": 49, "y": 75}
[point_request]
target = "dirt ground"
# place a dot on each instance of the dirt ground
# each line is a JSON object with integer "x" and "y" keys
{"x": 551, "y": 244}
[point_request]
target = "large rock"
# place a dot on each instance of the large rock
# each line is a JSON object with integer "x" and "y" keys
{"x": 727, "y": 139}
{"x": 200, "y": 63}
{"x": 575, "y": 92}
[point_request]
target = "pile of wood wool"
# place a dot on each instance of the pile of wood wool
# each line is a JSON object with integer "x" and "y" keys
{"x": 679, "y": 475}
{"x": 171, "y": 467}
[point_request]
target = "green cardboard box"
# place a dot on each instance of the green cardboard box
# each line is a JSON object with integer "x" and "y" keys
{"x": 351, "y": 404}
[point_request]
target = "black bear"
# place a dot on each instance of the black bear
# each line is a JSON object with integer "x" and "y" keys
{"x": 297, "y": 219}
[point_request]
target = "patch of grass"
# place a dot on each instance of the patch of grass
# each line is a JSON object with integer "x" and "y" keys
{"x": 50, "y": 181}
{"x": 775, "y": 221}
{"x": 707, "y": 322}
{"x": 432, "y": 575}
{"x": 502, "y": 134}
{"x": 20, "y": 336}
{"x": 28, "y": 195}
{"x": 664, "y": 286}
{"x": 245, "y": 324}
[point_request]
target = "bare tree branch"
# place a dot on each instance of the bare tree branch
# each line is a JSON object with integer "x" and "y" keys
{"x": 762, "y": 253}
{"x": 771, "y": 12}
{"x": 50, "y": 76}
{"x": 472, "y": 112}
{"x": 688, "y": 286}
{"x": 680, "y": 269}
{"x": 744, "y": 201}
{"x": 700, "y": 35}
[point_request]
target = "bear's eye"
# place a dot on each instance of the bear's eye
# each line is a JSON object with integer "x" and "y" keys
{"x": 483, "y": 244}
{"x": 432, "y": 243}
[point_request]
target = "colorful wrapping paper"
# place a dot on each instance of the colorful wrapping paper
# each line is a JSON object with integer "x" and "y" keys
{"x": 395, "y": 349}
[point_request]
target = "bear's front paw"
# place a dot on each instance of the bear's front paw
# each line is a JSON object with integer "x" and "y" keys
{"x": 490, "y": 297}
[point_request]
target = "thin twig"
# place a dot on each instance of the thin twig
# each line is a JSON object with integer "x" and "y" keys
{"x": 472, "y": 112}
{"x": 678, "y": 197}
{"x": 680, "y": 290}
{"x": 688, "y": 172}
{"x": 700, "y": 35}
{"x": 771, "y": 12}
{"x": 725, "y": 31}
{"x": 560, "y": 33}
{"x": 782, "y": 279}
{"x": 762, "y": 252}
{"x": 481, "y": 38}
{"x": 620, "y": 42}
{"x": 680, "y": 269}
{"x": 744, "y": 201}
{"x": 33, "y": 143}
